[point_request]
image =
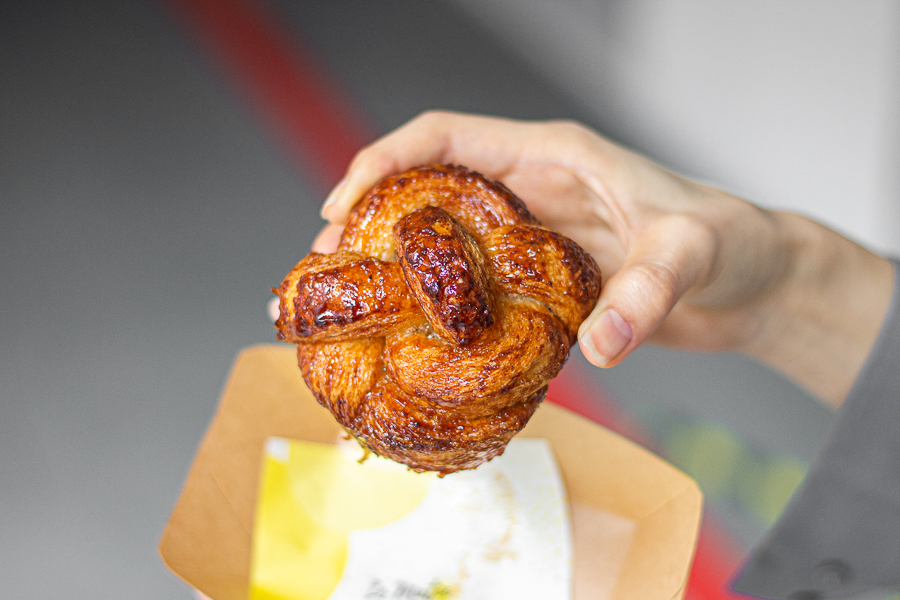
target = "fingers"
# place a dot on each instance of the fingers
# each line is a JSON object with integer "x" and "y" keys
{"x": 418, "y": 142}
{"x": 672, "y": 255}
{"x": 482, "y": 143}
{"x": 327, "y": 240}
{"x": 273, "y": 308}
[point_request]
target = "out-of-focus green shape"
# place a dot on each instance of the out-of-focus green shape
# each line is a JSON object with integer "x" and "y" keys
{"x": 707, "y": 452}
{"x": 780, "y": 476}
{"x": 728, "y": 470}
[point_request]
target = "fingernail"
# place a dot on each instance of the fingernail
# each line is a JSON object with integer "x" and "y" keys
{"x": 334, "y": 195}
{"x": 274, "y": 308}
{"x": 606, "y": 337}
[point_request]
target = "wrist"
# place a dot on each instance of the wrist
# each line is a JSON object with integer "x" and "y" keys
{"x": 821, "y": 323}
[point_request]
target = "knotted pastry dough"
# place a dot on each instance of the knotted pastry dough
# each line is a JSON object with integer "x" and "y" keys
{"x": 433, "y": 330}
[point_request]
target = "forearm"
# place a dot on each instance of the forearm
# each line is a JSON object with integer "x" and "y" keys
{"x": 819, "y": 328}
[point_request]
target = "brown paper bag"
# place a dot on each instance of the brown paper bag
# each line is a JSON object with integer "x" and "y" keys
{"x": 635, "y": 518}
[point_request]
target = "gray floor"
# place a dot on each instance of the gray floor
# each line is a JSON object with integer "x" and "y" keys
{"x": 143, "y": 219}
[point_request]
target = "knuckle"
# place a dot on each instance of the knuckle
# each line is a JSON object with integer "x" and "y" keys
{"x": 432, "y": 120}
{"x": 432, "y": 115}
{"x": 362, "y": 155}
{"x": 574, "y": 130}
{"x": 573, "y": 135}
{"x": 370, "y": 158}
{"x": 656, "y": 285}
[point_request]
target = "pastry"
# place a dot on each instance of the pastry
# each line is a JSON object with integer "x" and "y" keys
{"x": 432, "y": 331}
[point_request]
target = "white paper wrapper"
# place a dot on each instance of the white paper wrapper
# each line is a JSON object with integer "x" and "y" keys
{"x": 500, "y": 531}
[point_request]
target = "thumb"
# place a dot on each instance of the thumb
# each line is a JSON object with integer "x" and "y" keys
{"x": 665, "y": 261}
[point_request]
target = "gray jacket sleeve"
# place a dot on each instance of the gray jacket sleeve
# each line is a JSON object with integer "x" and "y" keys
{"x": 840, "y": 533}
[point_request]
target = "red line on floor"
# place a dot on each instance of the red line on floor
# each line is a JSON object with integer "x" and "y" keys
{"x": 301, "y": 105}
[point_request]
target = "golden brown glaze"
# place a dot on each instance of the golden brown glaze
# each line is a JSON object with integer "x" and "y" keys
{"x": 433, "y": 330}
{"x": 446, "y": 273}
{"x": 521, "y": 353}
{"x": 427, "y": 437}
{"x": 341, "y": 296}
{"x": 340, "y": 374}
{"x": 549, "y": 267}
{"x": 477, "y": 203}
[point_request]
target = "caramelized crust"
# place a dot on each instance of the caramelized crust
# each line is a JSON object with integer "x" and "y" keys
{"x": 546, "y": 266}
{"x": 446, "y": 273}
{"x": 477, "y": 203}
{"x": 520, "y": 354}
{"x": 432, "y": 332}
{"x": 340, "y": 374}
{"x": 343, "y": 296}
{"x": 427, "y": 437}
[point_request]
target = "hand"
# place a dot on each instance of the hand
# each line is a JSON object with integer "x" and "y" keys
{"x": 684, "y": 264}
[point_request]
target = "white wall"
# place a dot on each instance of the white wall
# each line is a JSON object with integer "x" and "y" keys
{"x": 793, "y": 104}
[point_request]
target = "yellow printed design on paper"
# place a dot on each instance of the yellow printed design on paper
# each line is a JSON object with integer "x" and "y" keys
{"x": 311, "y": 496}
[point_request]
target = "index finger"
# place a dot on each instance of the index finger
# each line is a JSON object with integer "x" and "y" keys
{"x": 433, "y": 137}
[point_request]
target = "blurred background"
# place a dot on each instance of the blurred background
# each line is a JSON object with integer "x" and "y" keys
{"x": 161, "y": 167}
